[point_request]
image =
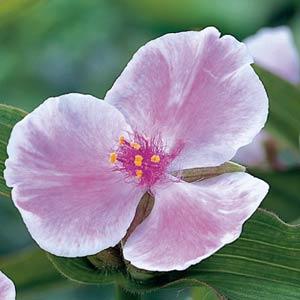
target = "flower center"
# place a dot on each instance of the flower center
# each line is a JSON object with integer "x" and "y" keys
{"x": 144, "y": 159}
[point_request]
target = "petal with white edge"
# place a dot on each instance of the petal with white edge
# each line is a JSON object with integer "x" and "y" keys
{"x": 7, "y": 288}
{"x": 191, "y": 221}
{"x": 71, "y": 199}
{"x": 196, "y": 90}
{"x": 274, "y": 49}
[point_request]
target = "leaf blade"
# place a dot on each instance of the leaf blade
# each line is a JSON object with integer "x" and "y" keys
{"x": 284, "y": 98}
{"x": 266, "y": 258}
{"x": 34, "y": 261}
{"x": 261, "y": 259}
{"x": 9, "y": 116}
{"x": 283, "y": 197}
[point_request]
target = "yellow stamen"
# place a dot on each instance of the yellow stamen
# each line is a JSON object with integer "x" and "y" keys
{"x": 155, "y": 158}
{"x": 121, "y": 140}
{"x": 113, "y": 157}
{"x": 138, "y": 159}
{"x": 139, "y": 173}
{"x": 135, "y": 146}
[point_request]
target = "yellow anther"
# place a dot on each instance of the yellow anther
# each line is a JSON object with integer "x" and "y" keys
{"x": 138, "y": 159}
{"x": 121, "y": 140}
{"x": 113, "y": 157}
{"x": 155, "y": 158}
{"x": 136, "y": 146}
{"x": 139, "y": 173}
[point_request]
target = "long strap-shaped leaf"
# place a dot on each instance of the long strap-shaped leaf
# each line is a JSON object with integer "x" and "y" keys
{"x": 284, "y": 194}
{"x": 264, "y": 263}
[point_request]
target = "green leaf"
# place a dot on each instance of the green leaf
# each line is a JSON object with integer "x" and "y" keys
{"x": 283, "y": 197}
{"x": 82, "y": 270}
{"x": 205, "y": 293}
{"x": 263, "y": 261}
{"x": 36, "y": 278}
{"x": 284, "y": 121}
{"x": 29, "y": 269}
{"x": 184, "y": 289}
{"x": 9, "y": 116}
{"x": 122, "y": 294}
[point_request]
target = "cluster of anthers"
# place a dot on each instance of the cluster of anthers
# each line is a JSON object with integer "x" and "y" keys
{"x": 144, "y": 158}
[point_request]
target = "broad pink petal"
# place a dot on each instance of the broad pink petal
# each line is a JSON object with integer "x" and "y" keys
{"x": 254, "y": 154}
{"x": 7, "y": 288}
{"x": 275, "y": 50}
{"x": 71, "y": 200}
{"x": 193, "y": 88}
{"x": 189, "y": 222}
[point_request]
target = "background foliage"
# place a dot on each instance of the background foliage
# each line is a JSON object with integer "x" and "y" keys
{"x": 59, "y": 46}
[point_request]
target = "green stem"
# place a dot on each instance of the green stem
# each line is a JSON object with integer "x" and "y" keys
{"x": 122, "y": 294}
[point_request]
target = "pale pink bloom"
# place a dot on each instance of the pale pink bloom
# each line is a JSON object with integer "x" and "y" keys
{"x": 79, "y": 166}
{"x": 7, "y": 288}
{"x": 274, "y": 49}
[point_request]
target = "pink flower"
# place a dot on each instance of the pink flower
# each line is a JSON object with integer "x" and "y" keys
{"x": 7, "y": 288}
{"x": 274, "y": 49}
{"x": 79, "y": 166}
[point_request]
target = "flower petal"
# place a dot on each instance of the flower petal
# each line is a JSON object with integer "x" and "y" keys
{"x": 196, "y": 89}
{"x": 275, "y": 50}
{"x": 189, "y": 222}
{"x": 7, "y": 288}
{"x": 70, "y": 198}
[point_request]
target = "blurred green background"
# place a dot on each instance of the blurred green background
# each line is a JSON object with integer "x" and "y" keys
{"x": 48, "y": 48}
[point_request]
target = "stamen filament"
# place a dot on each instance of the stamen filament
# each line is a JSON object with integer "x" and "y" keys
{"x": 142, "y": 158}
